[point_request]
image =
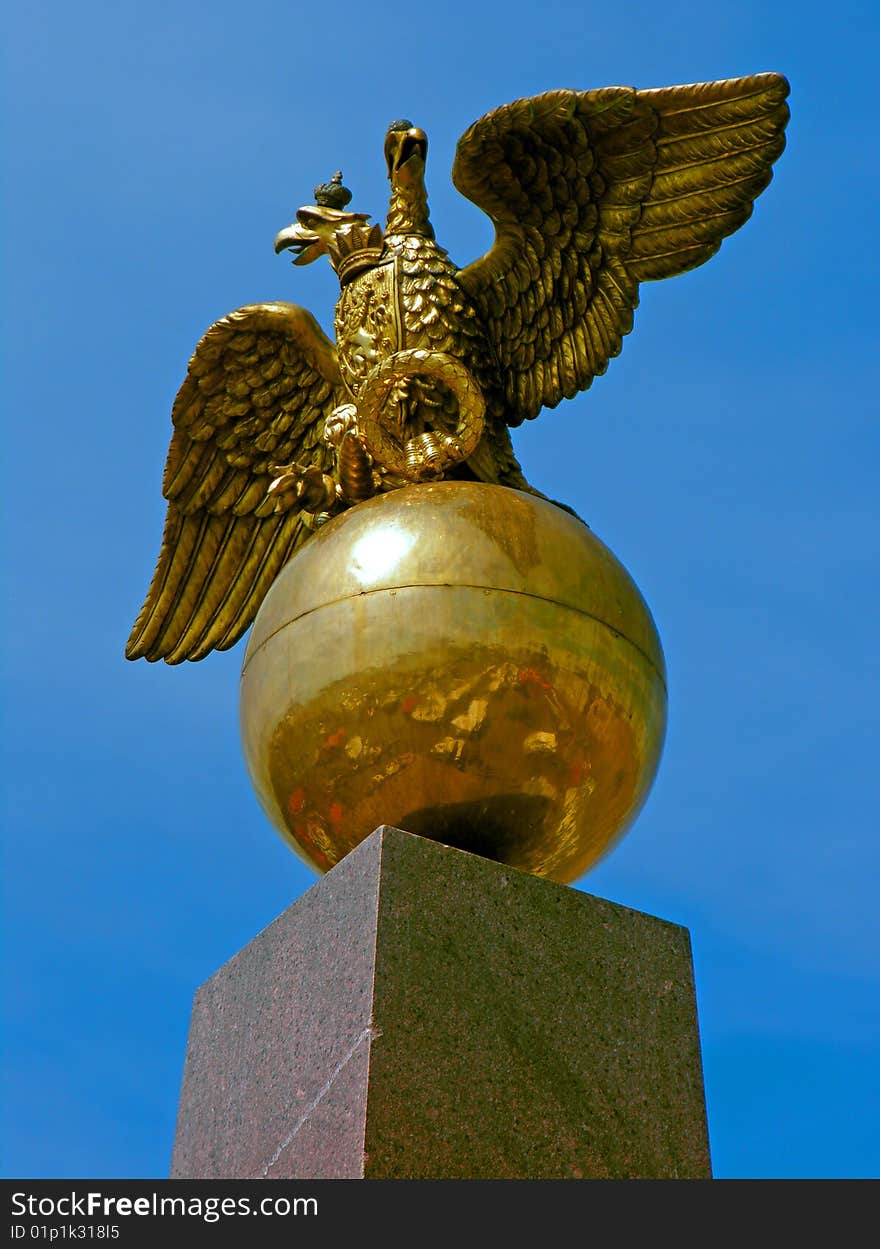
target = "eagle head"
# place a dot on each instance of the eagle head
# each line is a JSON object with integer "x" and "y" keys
{"x": 314, "y": 231}
{"x": 406, "y": 152}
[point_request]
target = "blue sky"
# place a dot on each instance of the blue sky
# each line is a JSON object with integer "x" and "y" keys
{"x": 729, "y": 458}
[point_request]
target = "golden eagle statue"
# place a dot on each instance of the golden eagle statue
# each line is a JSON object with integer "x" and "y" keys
{"x": 275, "y": 428}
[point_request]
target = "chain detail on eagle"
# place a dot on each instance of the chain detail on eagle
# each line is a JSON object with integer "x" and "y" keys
{"x": 275, "y": 429}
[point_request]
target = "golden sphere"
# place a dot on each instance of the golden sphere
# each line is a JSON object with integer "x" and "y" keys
{"x": 463, "y": 661}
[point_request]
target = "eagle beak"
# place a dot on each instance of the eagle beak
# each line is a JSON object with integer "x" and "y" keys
{"x": 406, "y": 152}
{"x": 304, "y": 243}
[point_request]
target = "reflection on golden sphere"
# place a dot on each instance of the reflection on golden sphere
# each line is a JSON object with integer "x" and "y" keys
{"x": 463, "y": 661}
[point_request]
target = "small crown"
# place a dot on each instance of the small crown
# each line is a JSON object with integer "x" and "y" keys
{"x": 356, "y": 247}
{"x": 333, "y": 194}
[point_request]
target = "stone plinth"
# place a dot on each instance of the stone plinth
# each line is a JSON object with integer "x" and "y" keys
{"x": 425, "y": 1013}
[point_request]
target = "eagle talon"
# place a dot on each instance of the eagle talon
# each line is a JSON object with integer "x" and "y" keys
{"x": 306, "y": 489}
{"x": 341, "y": 421}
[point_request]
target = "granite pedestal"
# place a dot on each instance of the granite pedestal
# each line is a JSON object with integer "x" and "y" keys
{"x": 425, "y": 1013}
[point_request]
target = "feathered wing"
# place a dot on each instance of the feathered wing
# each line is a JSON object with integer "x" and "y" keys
{"x": 592, "y": 193}
{"x": 257, "y": 389}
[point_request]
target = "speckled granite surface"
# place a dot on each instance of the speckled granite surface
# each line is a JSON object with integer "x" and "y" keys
{"x": 422, "y": 1012}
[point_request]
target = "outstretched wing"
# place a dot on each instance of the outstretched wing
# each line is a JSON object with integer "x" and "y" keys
{"x": 592, "y": 193}
{"x": 257, "y": 389}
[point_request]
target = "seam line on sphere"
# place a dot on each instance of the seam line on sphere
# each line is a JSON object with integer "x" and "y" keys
{"x": 319, "y": 1097}
{"x": 458, "y": 585}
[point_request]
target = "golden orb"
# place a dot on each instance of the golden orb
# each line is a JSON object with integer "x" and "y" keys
{"x": 466, "y": 662}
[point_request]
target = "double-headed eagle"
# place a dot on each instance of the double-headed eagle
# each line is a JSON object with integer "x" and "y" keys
{"x": 275, "y": 429}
